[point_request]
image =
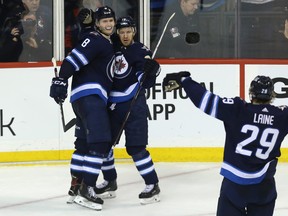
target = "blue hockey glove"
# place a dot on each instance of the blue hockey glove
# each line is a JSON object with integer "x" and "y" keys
{"x": 152, "y": 68}
{"x": 86, "y": 18}
{"x": 173, "y": 80}
{"x": 58, "y": 89}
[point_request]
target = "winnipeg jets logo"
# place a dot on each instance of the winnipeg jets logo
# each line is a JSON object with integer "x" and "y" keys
{"x": 121, "y": 66}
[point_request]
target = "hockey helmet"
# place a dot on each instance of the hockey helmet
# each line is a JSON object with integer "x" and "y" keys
{"x": 125, "y": 21}
{"x": 104, "y": 12}
{"x": 262, "y": 88}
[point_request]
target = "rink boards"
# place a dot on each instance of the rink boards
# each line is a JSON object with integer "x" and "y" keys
{"x": 31, "y": 128}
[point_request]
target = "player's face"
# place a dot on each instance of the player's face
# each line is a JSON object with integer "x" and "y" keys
{"x": 106, "y": 25}
{"x": 32, "y": 5}
{"x": 189, "y": 6}
{"x": 126, "y": 35}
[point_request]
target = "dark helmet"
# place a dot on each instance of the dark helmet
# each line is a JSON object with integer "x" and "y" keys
{"x": 104, "y": 12}
{"x": 125, "y": 21}
{"x": 262, "y": 88}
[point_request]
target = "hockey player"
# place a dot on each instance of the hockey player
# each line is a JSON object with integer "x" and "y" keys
{"x": 91, "y": 64}
{"x": 133, "y": 59}
{"x": 254, "y": 133}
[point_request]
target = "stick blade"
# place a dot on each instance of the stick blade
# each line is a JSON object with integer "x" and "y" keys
{"x": 70, "y": 124}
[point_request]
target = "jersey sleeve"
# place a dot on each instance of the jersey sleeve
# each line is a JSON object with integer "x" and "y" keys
{"x": 145, "y": 53}
{"x": 210, "y": 103}
{"x": 141, "y": 52}
{"x": 82, "y": 54}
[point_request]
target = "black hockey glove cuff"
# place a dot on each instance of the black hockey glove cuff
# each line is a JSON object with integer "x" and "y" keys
{"x": 86, "y": 18}
{"x": 58, "y": 89}
{"x": 173, "y": 80}
{"x": 152, "y": 68}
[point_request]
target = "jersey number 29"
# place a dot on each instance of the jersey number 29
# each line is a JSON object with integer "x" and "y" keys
{"x": 272, "y": 133}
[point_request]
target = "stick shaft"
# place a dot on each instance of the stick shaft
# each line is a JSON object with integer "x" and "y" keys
{"x": 162, "y": 34}
{"x": 129, "y": 110}
{"x": 140, "y": 87}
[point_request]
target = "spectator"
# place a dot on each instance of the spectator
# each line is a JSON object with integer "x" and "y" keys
{"x": 186, "y": 20}
{"x": 92, "y": 4}
{"x": 11, "y": 44}
{"x": 34, "y": 48}
{"x": 44, "y": 31}
{"x": 10, "y": 8}
{"x": 11, "y": 30}
{"x": 263, "y": 30}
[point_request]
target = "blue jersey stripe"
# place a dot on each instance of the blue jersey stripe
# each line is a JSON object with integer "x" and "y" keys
{"x": 215, "y": 107}
{"x": 80, "y": 56}
{"x": 241, "y": 177}
{"x": 205, "y": 101}
{"x": 88, "y": 89}
{"x": 71, "y": 60}
{"x": 117, "y": 96}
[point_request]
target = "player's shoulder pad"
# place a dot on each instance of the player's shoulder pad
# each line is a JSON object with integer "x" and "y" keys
{"x": 144, "y": 47}
{"x": 141, "y": 46}
{"x": 239, "y": 100}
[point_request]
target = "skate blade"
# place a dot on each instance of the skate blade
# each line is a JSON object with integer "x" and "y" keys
{"x": 88, "y": 204}
{"x": 107, "y": 195}
{"x": 71, "y": 200}
{"x": 151, "y": 200}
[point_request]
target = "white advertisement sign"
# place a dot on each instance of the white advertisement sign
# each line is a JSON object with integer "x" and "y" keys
{"x": 176, "y": 121}
{"x": 30, "y": 119}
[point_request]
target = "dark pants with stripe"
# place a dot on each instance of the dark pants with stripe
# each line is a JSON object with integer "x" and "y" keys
{"x": 93, "y": 138}
{"x": 252, "y": 200}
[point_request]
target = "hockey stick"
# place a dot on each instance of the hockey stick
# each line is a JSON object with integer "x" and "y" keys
{"x": 143, "y": 78}
{"x": 130, "y": 109}
{"x": 163, "y": 32}
{"x": 72, "y": 122}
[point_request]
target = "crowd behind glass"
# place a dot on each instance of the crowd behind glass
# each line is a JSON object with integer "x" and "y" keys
{"x": 211, "y": 29}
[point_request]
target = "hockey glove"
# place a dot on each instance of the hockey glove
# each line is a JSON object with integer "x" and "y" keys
{"x": 152, "y": 68}
{"x": 86, "y": 18}
{"x": 173, "y": 80}
{"x": 58, "y": 89}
